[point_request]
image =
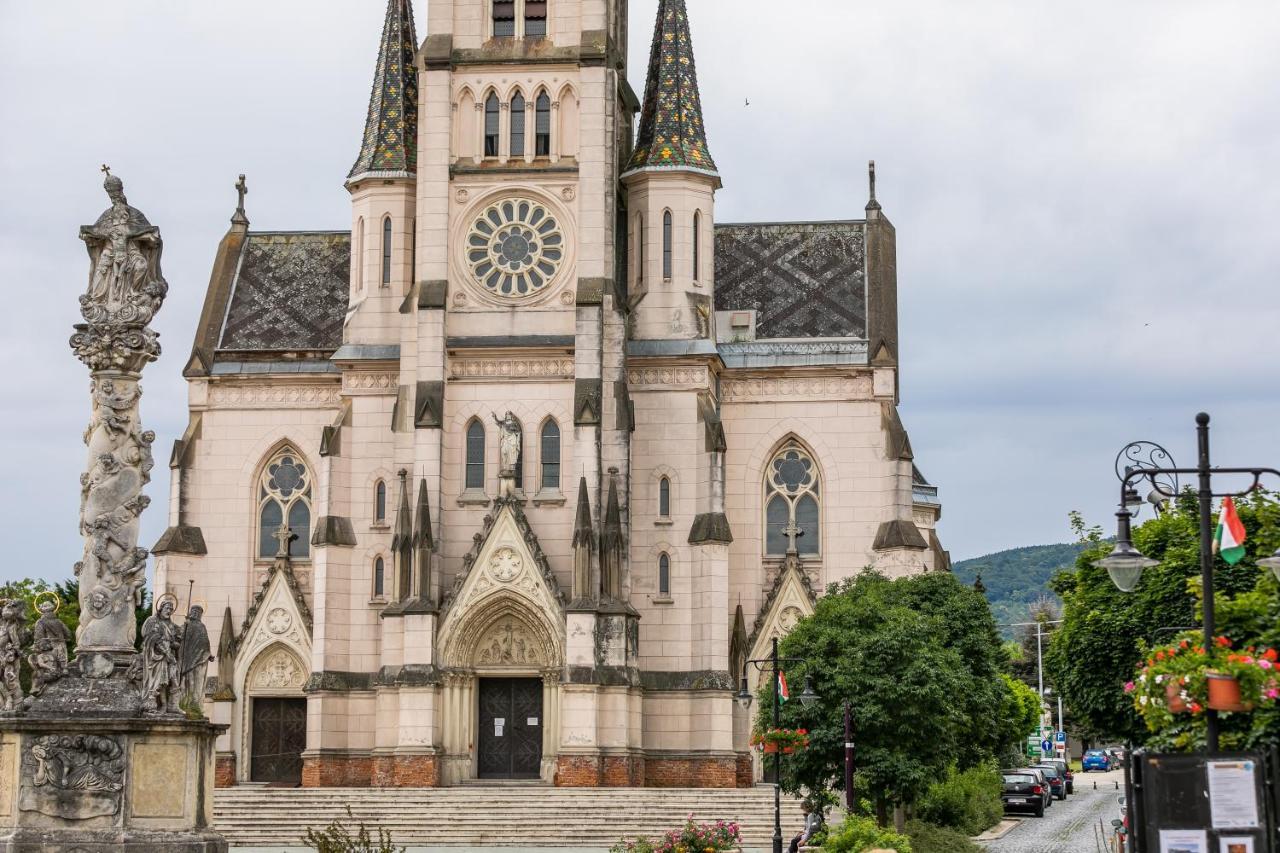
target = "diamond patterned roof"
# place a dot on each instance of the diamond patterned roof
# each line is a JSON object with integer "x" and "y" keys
{"x": 671, "y": 130}
{"x": 391, "y": 131}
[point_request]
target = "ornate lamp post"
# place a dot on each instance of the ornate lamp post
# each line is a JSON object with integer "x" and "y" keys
{"x": 1126, "y": 563}
{"x": 774, "y": 664}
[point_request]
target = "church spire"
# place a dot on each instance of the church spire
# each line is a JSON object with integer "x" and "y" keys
{"x": 672, "y": 135}
{"x": 390, "y": 146}
{"x": 582, "y": 544}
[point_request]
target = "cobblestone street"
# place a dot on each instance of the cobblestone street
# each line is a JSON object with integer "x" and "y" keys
{"x": 1070, "y": 826}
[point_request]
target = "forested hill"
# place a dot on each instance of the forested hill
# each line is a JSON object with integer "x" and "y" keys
{"x": 1017, "y": 577}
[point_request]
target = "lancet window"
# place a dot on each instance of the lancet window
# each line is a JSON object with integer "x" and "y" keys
{"x": 542, "y": 125}
{"x": 386, "y": 251}
{"x": 379, "y": 578}
{"x": 550, "y": 456}
{"x": 380, "y": 502}
{"x": 284, "y": 496}
{"x": 664, "y": 576}
{"x": 791, "y": 492}
{"x": 491, "y": 124}
{"x": 517, "y": 125}
{"x": 664, "y": 497}
{"x": 666, "y": 244}
{"x": 475, "y": 456}
{"x": 697, "y": 247}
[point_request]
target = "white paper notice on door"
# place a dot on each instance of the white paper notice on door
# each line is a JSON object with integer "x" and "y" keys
{"x": 1184, "y": 841}
{"x": 498, "y": 723}
{"x": 531, "y": 721}
{"x": 1233, "y": 797}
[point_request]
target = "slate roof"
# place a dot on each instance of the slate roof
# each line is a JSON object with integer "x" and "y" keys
{"x": 803, "y": 279}
{"x": 390, "y": 144}
{"x": 289, "y": 293}
{"x": 672, "y": 135}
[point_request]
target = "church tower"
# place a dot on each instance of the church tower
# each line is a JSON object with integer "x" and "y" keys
{"x": 383, "y": 187}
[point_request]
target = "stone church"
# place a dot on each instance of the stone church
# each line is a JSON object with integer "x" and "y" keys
{"x": 507, "y": 481}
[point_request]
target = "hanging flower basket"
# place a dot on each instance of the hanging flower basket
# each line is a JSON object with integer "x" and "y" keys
{"x": 1185, "y": 677}
{"x": 1173, "y": 696}
{"x": 1224, "y": 692}
{"x": 785, "y": 741}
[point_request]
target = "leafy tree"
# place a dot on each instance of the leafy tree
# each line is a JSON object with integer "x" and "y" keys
{"x": 921, "y": 662}
{"x": 1105, "y": 632}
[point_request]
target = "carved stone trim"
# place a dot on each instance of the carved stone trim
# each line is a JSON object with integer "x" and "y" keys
{"x": 802, "y": 388}
{"x": 667, "y": 378}
{"x": 237, "y": 395}
{"x": 358, "y": 383}
{"x": 507, "y": 369}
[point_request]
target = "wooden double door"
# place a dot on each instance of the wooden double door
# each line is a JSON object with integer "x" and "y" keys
{"x": 278, "y": 738}
{"x": 510, "y": 741}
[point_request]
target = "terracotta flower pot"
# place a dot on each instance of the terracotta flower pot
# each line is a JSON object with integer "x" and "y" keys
{"x": 769, "y": 746}
{"x": 787, "y": 750}
{"x": 1224, "y": 692}
{"x": 1173, "y": 696}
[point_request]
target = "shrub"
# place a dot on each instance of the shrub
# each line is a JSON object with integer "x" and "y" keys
{"x": 859, "y": 834}
{"x": 336, "y": 838}
{"x": 927, "y": 838}
{"x": 706, "y": 838}
{"x": 967, "y": 801}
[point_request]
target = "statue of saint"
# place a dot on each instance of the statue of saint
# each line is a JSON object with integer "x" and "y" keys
{"x": 48, "y": 658}
{"x": 125, "y": 284}
{"x": 194, "y": 658}
{"x": 156, "y": 668}
{"x": 508, "y": 444}
{"x": 13, "y": 636}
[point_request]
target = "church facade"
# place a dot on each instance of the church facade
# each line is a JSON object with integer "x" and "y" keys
{"x": 510, "y": 479}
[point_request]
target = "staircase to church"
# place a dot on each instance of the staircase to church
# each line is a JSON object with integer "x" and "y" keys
{"x": 470, "y": 817}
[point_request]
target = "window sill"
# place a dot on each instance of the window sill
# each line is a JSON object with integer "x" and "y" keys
{"x": 473, "y": 497}
{"x": 380, "y": 525}
{"x": 663, "y": 521}
{"x": 662, "y": 599}
{"x": 377, "y": 601}
{"x": 548, "y": 498}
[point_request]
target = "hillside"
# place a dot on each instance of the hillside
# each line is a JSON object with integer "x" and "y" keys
{"x": 1017, "y": 577}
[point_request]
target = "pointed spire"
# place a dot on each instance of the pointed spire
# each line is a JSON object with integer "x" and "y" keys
{"x": 226, "y": 651}
{"x": 390, "y": 146}
{"x": 582, "y": 523}
{"x": 672, "y": 135}
{"x": 872, "y": 204}
{"x": 611, "y": 542}
{"x": 738, "y": 644}
{"x": 422, "y": 537}
{"x": 402, "y": 534}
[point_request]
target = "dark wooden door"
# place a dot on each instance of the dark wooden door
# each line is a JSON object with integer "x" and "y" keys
{"x": 279, "y": 736}
{"x": 510, "y": 742}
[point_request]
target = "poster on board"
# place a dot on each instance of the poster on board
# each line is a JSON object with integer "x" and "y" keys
{"x": 1233, "y": 797}
{"x": 1184, "y": 841}
{"x": 1235, "y": 844}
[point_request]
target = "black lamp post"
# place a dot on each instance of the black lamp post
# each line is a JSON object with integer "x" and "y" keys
{"x": 1125, "y": 563}
{"x": 774, "y": 664}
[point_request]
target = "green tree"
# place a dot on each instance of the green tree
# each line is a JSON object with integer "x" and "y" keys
{"x": 921, "y": 662}
{"x": 1105, "y": 632}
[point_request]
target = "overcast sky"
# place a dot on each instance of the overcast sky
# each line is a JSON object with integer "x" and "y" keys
{"x": 1086, "y": 199}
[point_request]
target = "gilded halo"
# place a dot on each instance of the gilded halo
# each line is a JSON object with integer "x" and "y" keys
{"x": 514, "y": 248}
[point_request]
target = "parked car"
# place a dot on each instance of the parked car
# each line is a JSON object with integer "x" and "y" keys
{"x": 1022, "y": 792}
{"x": 1095, "y": 759}
{"x": 1057, "y": 782}
{"x": 1038, "y": 774}
{"x": 1065, "y": 770}
{"x": 1119, "y": 756}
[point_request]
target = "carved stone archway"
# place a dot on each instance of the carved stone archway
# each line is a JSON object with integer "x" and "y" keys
{"x": 275, "y": 674}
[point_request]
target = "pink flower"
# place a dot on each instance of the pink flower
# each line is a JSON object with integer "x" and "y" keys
{"x": 1265, "y": 664}
{"x": 1273, "y": 693}
{"x": 1128, "y": 687}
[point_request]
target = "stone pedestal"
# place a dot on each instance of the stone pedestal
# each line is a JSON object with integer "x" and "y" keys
{"x": 94, "y": 785}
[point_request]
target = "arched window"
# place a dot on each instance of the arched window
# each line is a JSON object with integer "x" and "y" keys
{"x": 519, "y": 479}
{"x": 475, "y": 456}
{"x": 549, "y": 457}
{"x": 640, "y": 248}
{"x": 504, "y": 18}
{"x": 664, "y": 498}
{"x": 791, "y": 515}
{"x": 666, "y": 244}
{"x": 358, "y": 260}
{"x": 542, "y": 125}
{"x": 697, "y": 244}
{"x": 517, "y": 125}
{"x": 535, "y": 18}
{"x": 379, "y": 578}
{"x": 386, "y": 251}
{"x": 664, "y": 576}
{"x": 491, "y": 125}
{"x": 380, "y": 502}
{"x": 284, "y": 497}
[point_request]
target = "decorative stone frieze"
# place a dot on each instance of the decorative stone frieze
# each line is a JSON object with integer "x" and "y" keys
{"x": 361, "y": 383}
{"x": 507, "y": 369}
{"x": 242, "y": 395}
{"x": 802, "y": 388}
{"x": 668, "y": 378}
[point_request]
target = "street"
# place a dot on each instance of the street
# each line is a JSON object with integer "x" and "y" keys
{"x": 1069, "y": 826}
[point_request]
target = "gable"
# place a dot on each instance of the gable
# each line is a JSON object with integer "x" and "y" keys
{"x": 790, "y": 600}
{"x": 278, "y": 617}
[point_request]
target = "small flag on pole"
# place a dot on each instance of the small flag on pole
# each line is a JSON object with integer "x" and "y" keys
{"x": 783, "y": 693}
{"x": 1228, "y": 541}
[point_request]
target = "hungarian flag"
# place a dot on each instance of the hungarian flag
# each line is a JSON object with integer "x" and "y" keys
{"x": 1228, "y": 541}
{"x": 783, "y": 693}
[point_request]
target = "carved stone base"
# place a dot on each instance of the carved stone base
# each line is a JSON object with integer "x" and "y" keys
{"x": 107, "y": 783}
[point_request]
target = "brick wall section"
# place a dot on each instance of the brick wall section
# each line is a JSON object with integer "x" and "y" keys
{"x": 224, "y": 770}
{"x": 717, "y": 772}
{"x": 746, "y": 771}
{"x": 619, "y": 771}
{"x": 577, "y": 771}
{"x": 337, "y": 771}
{"x": 415, "y": 771}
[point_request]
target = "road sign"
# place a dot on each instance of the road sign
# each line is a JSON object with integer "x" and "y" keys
{"x": 1061, "y": 737}
{"x": 1046, "y": 745}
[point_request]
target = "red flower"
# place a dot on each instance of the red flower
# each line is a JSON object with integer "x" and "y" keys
{"x": 1222, "y": 641}
{"x": 1270, "y": 654}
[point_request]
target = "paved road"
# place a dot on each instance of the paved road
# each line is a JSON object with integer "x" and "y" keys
{"x": 1071, "y": 825}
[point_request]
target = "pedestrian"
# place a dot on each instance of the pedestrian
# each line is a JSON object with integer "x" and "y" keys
{"x": 812, "y": 823}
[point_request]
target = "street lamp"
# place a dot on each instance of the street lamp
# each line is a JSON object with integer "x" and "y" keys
{"x": 1144, "y": 460}
{"x": 807, "y": 697}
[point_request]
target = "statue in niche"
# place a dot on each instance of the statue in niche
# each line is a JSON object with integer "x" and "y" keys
{"x": 194, "y": 658}
{"x": 155, "y": 669}
{"x": 48, "y": 658}
{"x": 13, "y": 636}
{"x": 508, "y": 444}
{"x": 125, "y": 283}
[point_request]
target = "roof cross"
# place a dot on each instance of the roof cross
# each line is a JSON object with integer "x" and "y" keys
{"x": 792, "y": 532}
{"x": 284, "y": 536}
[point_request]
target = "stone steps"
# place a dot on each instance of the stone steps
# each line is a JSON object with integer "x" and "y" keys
{"x": 495, "y": 816}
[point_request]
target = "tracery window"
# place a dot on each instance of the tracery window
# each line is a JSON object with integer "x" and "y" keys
{"x": 664, "y": 498}
{"x": 386, "y": 251}
{"x": 550, "y": 456}
{"x": 284, "y": 496}
{"x": 542, "y": 125}
{"x": 474, "y": 478}
{"x": 517, "y": 125}
{"x": 379, "y": 578}
{"x": 491, "y": 125}
{"x": 791, "y": 489}
{"x": 380, "y": 502}
{"x": 664, "y": 576}
{"x": 666, "y": 244}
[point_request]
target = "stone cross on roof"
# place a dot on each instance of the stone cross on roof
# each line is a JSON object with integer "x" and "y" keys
{"x": 284, "y": 536}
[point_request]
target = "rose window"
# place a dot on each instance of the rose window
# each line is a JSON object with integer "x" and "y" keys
{"x": 515, "y": 247}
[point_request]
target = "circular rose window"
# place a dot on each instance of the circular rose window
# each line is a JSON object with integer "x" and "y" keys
{"x": 515, "y": 247}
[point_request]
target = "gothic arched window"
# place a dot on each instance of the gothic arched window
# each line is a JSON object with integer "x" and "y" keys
{"x": 386, "y": 251}
{"x": 491, "y": 125}
{"x": 475, "y": 456}
{"x": 359, "y": 256}
{"x": 640, "y": 248}
{"x": 791, "y": 513}
{"x": 517, "y": 125}
{"x": 379, "y": 578}
{"x": 550, "y": 456}
{"x": 664, "y": 497}
{"x": 664, "y": 576}
{"x": 666, "y": 244}
{"x": 284, "y": 496}
{"x": 380, "y": 502}
{"x": 542, "y": 124}
{"x": 697, "y": 240}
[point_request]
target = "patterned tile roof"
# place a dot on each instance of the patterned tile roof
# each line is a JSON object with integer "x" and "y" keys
{"x": 803, "y": 279}
{"x": 390, "y": 143}
{"x": 289, "y": 293}
{"x": 671, "y": 130}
